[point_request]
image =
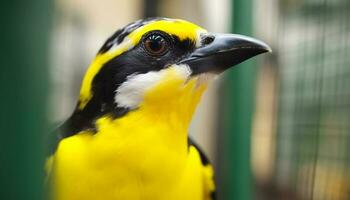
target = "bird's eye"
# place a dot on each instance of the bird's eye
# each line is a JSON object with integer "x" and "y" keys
{"x": 156, "y": 45}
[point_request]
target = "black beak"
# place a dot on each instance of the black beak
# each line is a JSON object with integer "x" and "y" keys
{"x": 219, "y": 52}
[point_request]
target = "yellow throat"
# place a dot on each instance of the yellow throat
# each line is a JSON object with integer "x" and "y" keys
{"x": 143, "y": 155}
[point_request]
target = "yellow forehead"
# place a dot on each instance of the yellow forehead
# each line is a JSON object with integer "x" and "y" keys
{"x": 181, "y": 28}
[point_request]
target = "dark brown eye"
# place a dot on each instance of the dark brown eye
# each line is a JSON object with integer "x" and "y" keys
{"x": 156, "y": 45}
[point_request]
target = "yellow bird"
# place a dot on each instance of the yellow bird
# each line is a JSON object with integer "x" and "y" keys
{"x": 128, "y": 136}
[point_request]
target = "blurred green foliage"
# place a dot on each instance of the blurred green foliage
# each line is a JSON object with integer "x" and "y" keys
{"x": 24, "y": 53}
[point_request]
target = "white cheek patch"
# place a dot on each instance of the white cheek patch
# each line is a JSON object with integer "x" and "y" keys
{"x": 182, "y": 70}
{"x": 131, "y": 93}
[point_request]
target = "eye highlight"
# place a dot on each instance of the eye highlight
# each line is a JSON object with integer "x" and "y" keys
{"x": 156, "y": 44}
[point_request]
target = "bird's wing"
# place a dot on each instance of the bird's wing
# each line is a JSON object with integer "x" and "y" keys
{"x": 53, "y": 139}
{"x": 208, "y": 173}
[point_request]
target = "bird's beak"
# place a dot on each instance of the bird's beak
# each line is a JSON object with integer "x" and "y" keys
{"x": 219, "y": 52}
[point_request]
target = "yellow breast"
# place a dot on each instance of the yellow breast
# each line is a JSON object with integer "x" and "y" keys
{"x": 128, "y": 162}
{"x": 143, "y": 155}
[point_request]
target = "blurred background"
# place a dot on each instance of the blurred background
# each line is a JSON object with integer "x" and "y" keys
{"x": 276, "y": 127}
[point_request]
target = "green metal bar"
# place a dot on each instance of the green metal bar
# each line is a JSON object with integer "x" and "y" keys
{"x": 237, "y": 106}
{"x": 23, "y": 80}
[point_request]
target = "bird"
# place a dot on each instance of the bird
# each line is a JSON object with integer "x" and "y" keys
{"x": 127, "y": 138}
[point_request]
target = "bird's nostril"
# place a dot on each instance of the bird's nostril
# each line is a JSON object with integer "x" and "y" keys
{"x": 207, "y": 39}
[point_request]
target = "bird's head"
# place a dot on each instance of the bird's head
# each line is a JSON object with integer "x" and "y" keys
{"x": 159, "y": 64}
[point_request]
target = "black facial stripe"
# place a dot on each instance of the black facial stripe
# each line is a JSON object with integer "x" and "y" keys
{"x": 135, "y": 60}
{"x": 187, "y": 44}
{"x": 113, "y": 74}
{"x": 120, "y": 34}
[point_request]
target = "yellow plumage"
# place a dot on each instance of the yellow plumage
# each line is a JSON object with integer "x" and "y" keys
{"x": 143, "y": 155}
{"x": 128, "y": 136}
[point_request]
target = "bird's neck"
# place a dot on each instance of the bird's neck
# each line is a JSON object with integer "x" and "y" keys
{"x": 171, "y": 103}
{"x": 176, "y": 107}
